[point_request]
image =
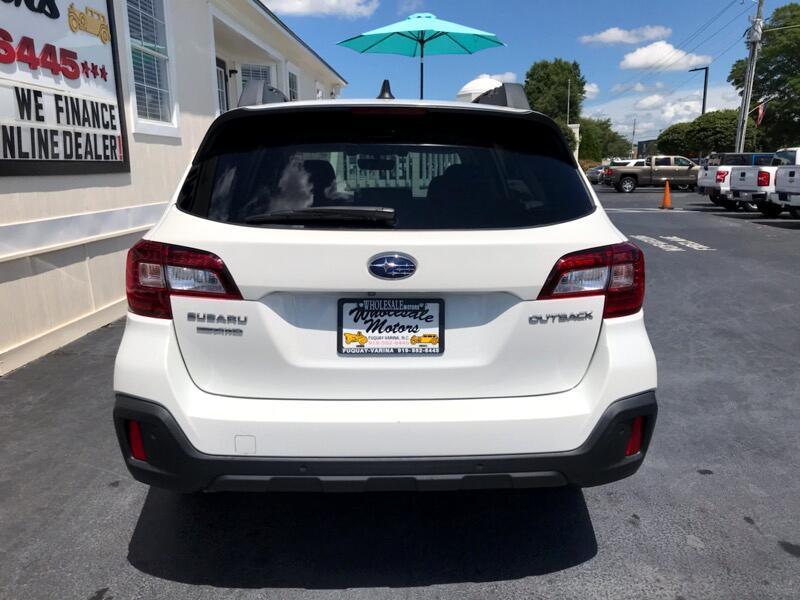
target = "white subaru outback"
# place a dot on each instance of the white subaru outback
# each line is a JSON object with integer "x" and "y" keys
{"x": 384, "y": 295}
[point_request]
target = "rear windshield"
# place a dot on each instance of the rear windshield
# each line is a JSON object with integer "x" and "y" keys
{"x": 744, "y": 160}
{"x": 785, "y": 157}
{"x": 445, "y": 170}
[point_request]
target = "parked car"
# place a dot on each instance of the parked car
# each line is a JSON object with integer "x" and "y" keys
{"x": 787, "y": 181}
{"x": 713, "y": 179}
{"x": 656, "y": 171}
{"x": 757, "y": 184}
{"x": 595, "y": 173}
{"x": 300, "y": 222}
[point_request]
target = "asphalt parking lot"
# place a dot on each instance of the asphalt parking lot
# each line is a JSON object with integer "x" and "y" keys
{"x": 714, "y": 512}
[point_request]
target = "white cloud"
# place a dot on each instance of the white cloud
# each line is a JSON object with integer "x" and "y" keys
{"x": 636, "y": 87}
{"x": 615, "y": 35}
{"x": 648, "y": 102}
{"x": 591, "y": 90}
{"x": 664, "y": 57}
{"x": 406, "y": 7}
{"x": 682, "y": 110}
{"x": 677, "y": 106}
{"x": 350, "y": 9}
{"x": 507, "y": 77}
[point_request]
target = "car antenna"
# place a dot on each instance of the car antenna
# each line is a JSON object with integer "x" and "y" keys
{"x": 386, "y": 91}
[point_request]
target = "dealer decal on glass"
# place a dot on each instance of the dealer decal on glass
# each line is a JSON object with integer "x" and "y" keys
{"x": 390, "y": 326}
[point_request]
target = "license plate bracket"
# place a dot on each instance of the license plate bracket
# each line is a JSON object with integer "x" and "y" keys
{"x": 390, "y": 327}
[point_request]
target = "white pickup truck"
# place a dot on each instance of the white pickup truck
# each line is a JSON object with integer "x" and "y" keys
{"x": 757, "y": 184}
{"x": 714, "y": 181}
{"x": 787, "y": 181}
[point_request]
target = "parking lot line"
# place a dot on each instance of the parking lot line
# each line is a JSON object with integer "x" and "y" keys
{"x": 658, "y": 243}
{"x": 687, "y": 243}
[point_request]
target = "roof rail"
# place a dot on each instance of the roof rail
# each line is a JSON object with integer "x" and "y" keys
{"x": 260, "y": 92}
{"x": 511, "y": 95}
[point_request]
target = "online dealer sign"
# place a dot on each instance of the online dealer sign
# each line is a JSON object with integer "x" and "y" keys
{"x": 60, "y": 96}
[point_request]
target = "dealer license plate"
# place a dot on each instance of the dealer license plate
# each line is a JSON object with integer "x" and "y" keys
{"x": 390, "y": 326}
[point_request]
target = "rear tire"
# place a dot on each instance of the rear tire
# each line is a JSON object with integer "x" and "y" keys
{"x": 729, "y": 205}
{"x": 683, "y": 187}
{"x": 770, "y": 210}
{"x": 716, "y": 199}
{"x": 795, "y": 212}
{"x": 626, "y": 185}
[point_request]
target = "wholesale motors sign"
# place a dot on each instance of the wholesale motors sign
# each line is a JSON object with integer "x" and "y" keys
{"x": 60, "y": 95}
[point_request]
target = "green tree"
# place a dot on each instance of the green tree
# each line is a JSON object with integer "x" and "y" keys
{"x": 673, "y": 140}
{"x": 599, "y": 140}
{"x": 568, "y": 134}
{"x": 716, "y": 132}
{"x": 777, "y": 79}
{"x": 546, "y": 88}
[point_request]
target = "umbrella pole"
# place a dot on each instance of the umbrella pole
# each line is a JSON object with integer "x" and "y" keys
{"x": 421, "y": 69}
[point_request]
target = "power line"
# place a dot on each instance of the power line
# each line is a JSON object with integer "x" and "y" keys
{"x": 661, "y": 65}
{"x": 678, "y": 47}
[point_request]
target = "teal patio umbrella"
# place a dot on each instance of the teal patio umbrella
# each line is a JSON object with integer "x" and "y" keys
{"x": 422, "y": 34}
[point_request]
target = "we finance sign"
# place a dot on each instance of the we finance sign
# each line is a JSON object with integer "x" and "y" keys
{"x": 60, "y": 93}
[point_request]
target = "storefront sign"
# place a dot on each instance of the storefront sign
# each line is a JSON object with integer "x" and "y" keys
{"x": 61, "y": 108}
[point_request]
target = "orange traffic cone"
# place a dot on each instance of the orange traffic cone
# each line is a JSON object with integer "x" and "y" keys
{"x": 666, "y": 200}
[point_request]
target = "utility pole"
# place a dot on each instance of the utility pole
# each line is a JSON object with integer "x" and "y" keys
{"x": 633, "y": 138}
{"x": 705, "y": 86}
{"x": 569, "y": 91}
{"x": 754, "y": 41}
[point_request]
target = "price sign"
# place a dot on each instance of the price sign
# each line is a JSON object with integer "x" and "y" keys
{"x": 61, "y": 108}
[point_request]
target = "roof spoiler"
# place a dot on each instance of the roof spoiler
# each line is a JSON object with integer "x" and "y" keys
{"x": 511, "y": 95}
{"x": 260, "y": 92}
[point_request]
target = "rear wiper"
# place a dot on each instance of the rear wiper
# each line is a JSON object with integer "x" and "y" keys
{"x": 311, "y": 214}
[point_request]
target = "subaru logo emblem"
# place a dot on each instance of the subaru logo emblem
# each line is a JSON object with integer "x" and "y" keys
{"x": 392, "y": 265}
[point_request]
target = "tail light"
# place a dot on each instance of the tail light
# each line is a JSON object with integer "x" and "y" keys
{"x": 609, "y": 172}
{"x": 616, "y": 272}
{"x": 763, "y": 178}
{"x": 721, "y": 176}
{"x": 157, "y": 271}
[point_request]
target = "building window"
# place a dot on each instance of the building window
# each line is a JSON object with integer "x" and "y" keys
{"x": 292, "y": 86}
{"x": 256, "y": 73}
{"x": 222, "y": 86}
{"x": 150, "y": 56}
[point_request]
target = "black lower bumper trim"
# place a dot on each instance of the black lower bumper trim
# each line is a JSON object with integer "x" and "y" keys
{"x": 173, "y": 463}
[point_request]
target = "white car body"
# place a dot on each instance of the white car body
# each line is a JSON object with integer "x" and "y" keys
{"x": 268, "y": 385}
{"x": 708, "y": 184}
{"x": 787, "y": 178}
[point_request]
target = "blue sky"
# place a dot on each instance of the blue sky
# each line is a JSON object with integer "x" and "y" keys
{"x": 623, "y": 48}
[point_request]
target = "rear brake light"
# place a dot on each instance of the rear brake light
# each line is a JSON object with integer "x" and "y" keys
{"x": 616, "y": 272}
{"x": 156, "y": 271}
{"x": 721, "y": 175}
{"x": 637, "y": 434}
{"x": 135, "y": 441}
{"x": 609, "y": 172}
{"x": 763, "y": 178}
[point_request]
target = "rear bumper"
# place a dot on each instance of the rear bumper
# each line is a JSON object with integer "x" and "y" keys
{"x": 173, "y": 463}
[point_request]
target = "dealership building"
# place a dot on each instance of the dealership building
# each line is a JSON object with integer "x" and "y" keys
{"x": 102, "y": 106}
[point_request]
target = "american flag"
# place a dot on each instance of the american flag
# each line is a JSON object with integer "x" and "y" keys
{"x": 762, "y": 110}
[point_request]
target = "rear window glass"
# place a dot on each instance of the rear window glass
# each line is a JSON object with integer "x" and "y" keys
{"x": 785, "y": 157}
{"x": 444, "y": 170}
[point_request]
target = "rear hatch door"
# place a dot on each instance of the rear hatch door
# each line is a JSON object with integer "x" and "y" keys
{"x": 483, "y": 216}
